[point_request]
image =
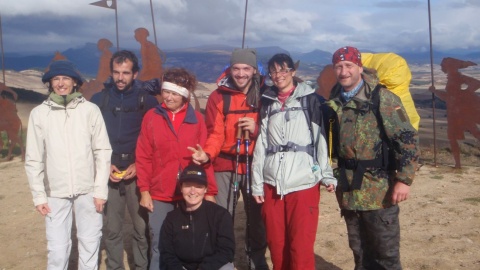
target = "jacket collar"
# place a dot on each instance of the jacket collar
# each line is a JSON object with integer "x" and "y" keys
{"x": 190, "y": 117}
{"x": 113, "y": 88}
{"x": 301, "y": 89}
{"x": 225, "y": 82}
{"x": 370, "y": 82}
{"x": 71, "y": 105}
{"x": 183, "y": 206}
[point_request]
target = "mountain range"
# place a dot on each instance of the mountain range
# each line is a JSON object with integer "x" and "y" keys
{"x": 208, "y": 62}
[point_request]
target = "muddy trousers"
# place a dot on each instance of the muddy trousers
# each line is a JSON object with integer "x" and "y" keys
{"x": 59, "y": 228}
{"x": 258, "y": 244}
{"x": 115, "y": 219}
{"x": 374, "y": 237}
{"x": 291, "y": 225}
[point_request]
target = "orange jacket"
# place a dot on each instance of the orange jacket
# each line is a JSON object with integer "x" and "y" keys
{"x": 222, "y": 129}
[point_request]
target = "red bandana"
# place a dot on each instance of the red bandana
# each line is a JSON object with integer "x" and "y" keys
{"x": 347, "y": 54}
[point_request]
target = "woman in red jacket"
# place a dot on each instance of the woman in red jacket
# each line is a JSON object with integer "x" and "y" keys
{"x": 162, "y": 154}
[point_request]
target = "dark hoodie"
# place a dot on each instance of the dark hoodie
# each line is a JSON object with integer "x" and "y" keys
{"x": 200, "y": 239}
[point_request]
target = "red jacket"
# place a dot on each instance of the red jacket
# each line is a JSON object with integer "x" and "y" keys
{"x": 222, "y": 130}
{"x": 162, "y": 153}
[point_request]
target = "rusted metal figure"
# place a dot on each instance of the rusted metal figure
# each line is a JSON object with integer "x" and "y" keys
{"x": 95, "y": 85}
{"x": 151, "y": 57}
{"x": 463, "y": 104}
{"x": 326, "y": 80}
{"x": 10, "y": 123}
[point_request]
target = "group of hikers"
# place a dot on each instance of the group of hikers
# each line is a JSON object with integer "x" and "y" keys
{"x": 179, "y": 174}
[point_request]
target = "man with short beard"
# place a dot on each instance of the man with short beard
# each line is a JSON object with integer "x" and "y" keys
{"x": 239, "y": 87}
{"x": 372, "y": 180}
{"x": 123, "y": 103}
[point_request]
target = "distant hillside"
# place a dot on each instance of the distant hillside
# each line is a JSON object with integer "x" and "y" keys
{"x": 207, "y": 62}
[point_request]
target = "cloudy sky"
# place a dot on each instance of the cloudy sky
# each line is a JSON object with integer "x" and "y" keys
{"x": 295, "y": 25}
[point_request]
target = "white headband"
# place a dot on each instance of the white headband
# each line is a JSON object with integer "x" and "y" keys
{"x": 176, "y": 88}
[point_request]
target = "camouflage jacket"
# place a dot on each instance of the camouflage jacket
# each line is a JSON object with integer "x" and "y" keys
{"x": 359, "y": 138}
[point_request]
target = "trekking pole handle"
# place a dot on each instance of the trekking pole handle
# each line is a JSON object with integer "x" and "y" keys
{"x": 239, "y": 133}
{"x": 246, "y": 135}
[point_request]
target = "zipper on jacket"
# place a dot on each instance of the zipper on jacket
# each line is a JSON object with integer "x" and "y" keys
{"x": 193, "y": 229}
{"x": 68, "y": 146}
{"x": 120, "y": 112}
{"x": 204, "y": 244}
{"x": 284, "y": 141}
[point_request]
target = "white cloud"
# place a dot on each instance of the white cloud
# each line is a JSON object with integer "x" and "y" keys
{"x": 303, "y": 25}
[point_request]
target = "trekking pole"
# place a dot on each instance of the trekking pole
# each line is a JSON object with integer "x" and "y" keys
{"x": 235, "y": 181}
{"x": 249, "y": 195}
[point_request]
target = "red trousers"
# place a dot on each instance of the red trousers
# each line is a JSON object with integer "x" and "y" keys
{"x": 291, "y": 227}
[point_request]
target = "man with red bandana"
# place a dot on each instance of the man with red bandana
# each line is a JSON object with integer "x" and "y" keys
{"x": 239, "y": 86}
{"x": 371, "y": 181}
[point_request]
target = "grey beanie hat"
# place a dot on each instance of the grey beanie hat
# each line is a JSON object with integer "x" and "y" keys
{"x": 244, "y": 56}
{"x": 62, "y": 67}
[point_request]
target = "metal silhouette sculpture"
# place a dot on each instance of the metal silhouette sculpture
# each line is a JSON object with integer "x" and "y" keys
{"x": 151, "y": 57}
{"x": 463, "y": 104}
{"x": 58, "y": 56}
{"x": 93, "y": 86}
{"x": 6, "y": 89}
{"x": 10, "y": 123}
{"x": 326, "y": 81}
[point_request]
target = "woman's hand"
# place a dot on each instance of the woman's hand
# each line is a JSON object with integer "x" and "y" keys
{"x": 259, "y": 199}
{"x": 199, "y": 156}
{"x": 99, "y": 204}
{"x": 146, "y": 200}
{"x": 43, "y": 209}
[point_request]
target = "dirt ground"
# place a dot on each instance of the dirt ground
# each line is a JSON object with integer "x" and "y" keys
{"x": 440, "y": 224}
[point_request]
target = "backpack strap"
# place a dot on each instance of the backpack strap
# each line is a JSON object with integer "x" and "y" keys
{"x": 226, "y": 104}
{"x": 387, "y": 147}
{"x": 385, "y": 161}
{"x": 226, "y": 107}
{"x": 141, "y": 99}
{"x": 310, "y": 149}
{"x": 105, "y": 99}
{"x": 308, "y": 117}
{"x": 142, "y": 96}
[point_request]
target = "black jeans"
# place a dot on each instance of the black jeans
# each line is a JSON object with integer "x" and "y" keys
{"x": 374, "y": 237}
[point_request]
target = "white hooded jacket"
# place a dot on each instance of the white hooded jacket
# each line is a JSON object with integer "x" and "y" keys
{"x": 68, "y": 151}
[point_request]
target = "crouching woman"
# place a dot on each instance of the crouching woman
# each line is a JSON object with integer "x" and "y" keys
{"x": 198, "y": 234}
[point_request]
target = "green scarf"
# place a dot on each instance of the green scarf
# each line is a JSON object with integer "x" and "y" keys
{"x": 64, "y": 101}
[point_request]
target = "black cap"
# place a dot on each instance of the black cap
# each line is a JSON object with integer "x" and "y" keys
{"x": 193, "y": 173}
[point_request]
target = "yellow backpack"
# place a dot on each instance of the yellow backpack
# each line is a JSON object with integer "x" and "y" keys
{"x": 395, "y": 74}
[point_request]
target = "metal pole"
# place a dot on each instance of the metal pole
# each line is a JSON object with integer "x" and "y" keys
{"x": 244, "y": 24}
{"x": 116, "y": 26}
{"x": 153, "y": 22}
{"x": 248, "y": 200}
{"x": 3, "y": 55}
{"x": 433, "y": 82}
